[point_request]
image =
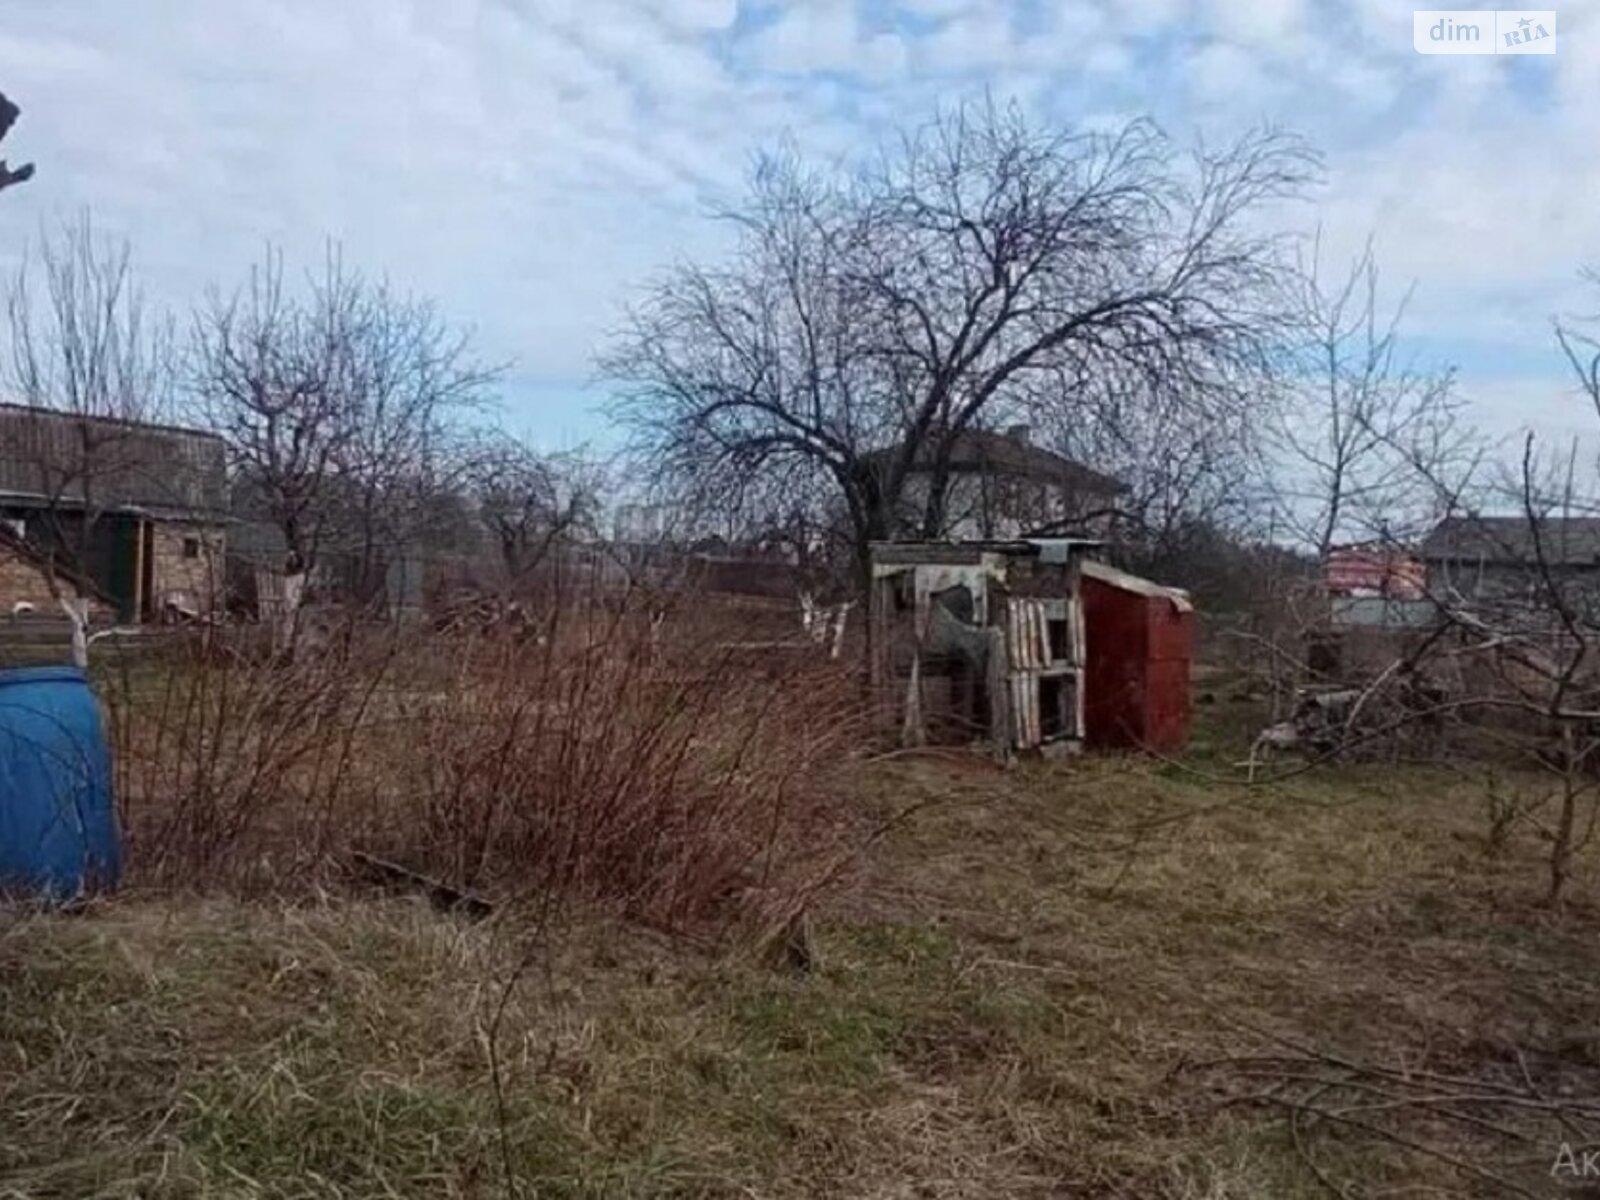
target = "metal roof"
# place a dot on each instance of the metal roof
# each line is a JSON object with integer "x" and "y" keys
{"x": 1570, "y": 541}
{"x": 60, "y": 458}
{"x": 1138, "y": 585}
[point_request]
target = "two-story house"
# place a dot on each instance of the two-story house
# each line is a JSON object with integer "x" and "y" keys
{"x": 1000, "y": 486}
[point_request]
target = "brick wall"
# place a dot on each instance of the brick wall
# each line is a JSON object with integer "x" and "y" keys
{"x": 22, "y": 582}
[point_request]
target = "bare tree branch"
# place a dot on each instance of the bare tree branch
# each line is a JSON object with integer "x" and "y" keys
{"x": 865, "y": 322}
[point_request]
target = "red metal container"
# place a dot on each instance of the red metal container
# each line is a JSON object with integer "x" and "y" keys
{"x": 1139, "y": 638}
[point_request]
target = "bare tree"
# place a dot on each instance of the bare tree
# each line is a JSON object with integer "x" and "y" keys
{"x": 9, "y": 112}
{"x": 272, "y": 374}
{"x": 1513, "y": 653}
{"x": 1369, "y": 446}
{"x": 981, "y": 269}
{"x": 1191, "y": 465}
{"x": 91, "y": 369}
{"x": 412, "y": 380}
{"x": 528, "y": 502}
{"x": 1545, "y": 633}
{"x": 334, "y": 401}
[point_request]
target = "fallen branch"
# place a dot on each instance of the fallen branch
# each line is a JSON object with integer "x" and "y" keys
{"x": 1311, "y": 1088}
{"x": 441, "y": 895}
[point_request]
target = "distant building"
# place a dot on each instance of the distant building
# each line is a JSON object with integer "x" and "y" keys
{"x": 387, "y": 578}
{"x": 1497, "y": 559}
{"x": 1376, "y": 586}
{"x": 641, "y": 524}
{"x": 133, "y": 511}
{"x": 1374, "y": 571}
{"x": 1002, "y": 485}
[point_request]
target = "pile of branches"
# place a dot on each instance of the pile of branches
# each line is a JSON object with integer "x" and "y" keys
{"x": 1534, "y": 1132}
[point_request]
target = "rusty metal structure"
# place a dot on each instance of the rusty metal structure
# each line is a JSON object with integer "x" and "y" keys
{"x": 981, "y": 641}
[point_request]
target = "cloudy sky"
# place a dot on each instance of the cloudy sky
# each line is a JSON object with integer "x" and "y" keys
{"x": 527, "y": 162}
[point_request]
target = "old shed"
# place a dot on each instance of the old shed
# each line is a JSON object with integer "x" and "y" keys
{"x": 981, "y": 640}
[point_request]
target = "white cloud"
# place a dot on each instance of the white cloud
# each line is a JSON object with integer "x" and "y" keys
{"x": 529, "y": 161}
{"x": 1268, "y": 24}
{"x": 1149, "y": 16}
{"x": 827, "y": 35}
{"x": 1221, "y": 72}
{"x": 977, "y": 40}
{"x": 697, "y": 14}
{"x": 937, "y": 8}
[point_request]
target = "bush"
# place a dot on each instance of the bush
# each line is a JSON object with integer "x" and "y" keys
{"x": 597, "y": 752}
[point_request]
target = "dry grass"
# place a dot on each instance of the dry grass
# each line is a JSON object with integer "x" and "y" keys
{"x": 1011, "y": 999}
{"x": 581, "y": 758}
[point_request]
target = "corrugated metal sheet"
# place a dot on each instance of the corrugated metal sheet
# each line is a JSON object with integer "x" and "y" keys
{"x": 1133, "y": 583}
{"x": 1028, "y": 623}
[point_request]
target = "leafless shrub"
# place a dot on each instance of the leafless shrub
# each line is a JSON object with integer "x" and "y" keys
{"x": 582, "y": 762}
{"x": 1529, "y": 1110}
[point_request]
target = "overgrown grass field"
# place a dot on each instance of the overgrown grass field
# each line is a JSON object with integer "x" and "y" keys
{"x": 1110, "y": 977}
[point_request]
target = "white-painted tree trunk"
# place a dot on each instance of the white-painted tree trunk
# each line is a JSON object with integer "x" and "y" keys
{"x": 77, "y": 611}
{"x": 914, "y": 732}
{"x": 294, "y": 591}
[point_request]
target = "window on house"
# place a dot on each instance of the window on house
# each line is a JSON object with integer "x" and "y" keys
{"x": 191, "y": 547}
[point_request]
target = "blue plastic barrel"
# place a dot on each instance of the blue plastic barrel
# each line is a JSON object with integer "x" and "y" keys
{"x": 58, "y": 830}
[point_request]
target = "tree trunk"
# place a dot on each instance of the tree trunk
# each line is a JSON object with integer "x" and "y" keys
{"x": 77, "y": 610}
{"x": 288, "y": 618}
{"x": 1561, "y": 847}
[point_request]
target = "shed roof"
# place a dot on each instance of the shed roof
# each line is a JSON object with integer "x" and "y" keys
{"x": 1137, "y": 585}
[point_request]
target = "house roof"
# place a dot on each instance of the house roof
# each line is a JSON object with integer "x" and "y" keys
{"x": 982, "y": 452}
{"x": 65, "y": 459}
{"x": 1569, "y": 541}
{"x": 38, "y": 410}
